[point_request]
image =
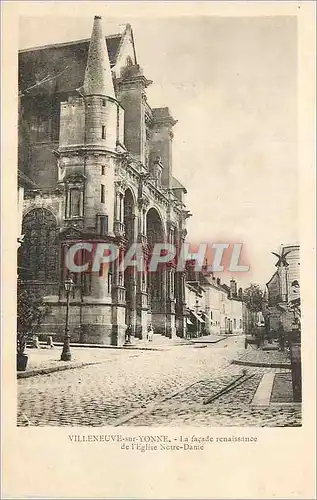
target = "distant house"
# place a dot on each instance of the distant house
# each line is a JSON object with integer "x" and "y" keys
{"x": 219, "y": 307}
{"x": 283, "y": 288}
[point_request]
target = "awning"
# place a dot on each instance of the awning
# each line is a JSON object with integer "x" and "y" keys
{"x": 197, "y": 317}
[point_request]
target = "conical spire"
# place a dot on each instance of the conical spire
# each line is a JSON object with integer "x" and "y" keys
{"x": 98, "y": 78}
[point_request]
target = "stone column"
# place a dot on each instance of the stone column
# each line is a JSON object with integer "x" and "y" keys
{"x": 118, "y": 302}
{"x": 142, "y": 306}
{"x": 170, "y": 305}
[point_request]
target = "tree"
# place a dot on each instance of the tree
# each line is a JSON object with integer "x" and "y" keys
{"x": 253, "y": 297}
{"x": 31, "y": 311}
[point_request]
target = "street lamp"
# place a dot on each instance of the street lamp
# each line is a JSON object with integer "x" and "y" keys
{"x": 66, "y": 354}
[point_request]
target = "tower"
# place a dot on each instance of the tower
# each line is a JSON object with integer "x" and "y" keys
{"x": 91, "y": 125}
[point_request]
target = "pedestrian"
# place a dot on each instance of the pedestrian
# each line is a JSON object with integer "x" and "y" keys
{"x": 150, "y": 333}
{"x": 258, "y": 340}
{"x": 296, "y": 330}
{"x": 245, "y": 342}
{"x": 187, "y": 333}
{"x": 262, "y": 335}
{"x": 128, "y": 334}
{"x": 281, "y": 336}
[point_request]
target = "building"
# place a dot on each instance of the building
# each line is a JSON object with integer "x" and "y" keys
{"x": 213, "y": 296}
{"x": 196, "y": 312}
{"x": 231, "y": 308}
{"x": 213, "y": 307}
{"x": 101, "y": 158}
{"x": 283, "y": 301}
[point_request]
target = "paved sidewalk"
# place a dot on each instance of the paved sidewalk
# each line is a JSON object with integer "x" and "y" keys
{"x": 282, "y": 390}
{"x": 266, "y": 359}
{"x": 47, "y": 360}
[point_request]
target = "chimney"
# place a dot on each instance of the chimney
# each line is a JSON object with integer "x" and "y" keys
{"x": 233, "y": 288}
{"x": 98, "y": 77}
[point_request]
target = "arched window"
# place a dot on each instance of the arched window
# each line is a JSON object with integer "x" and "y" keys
{"x": 39, "y": 250}
{"x": 129, "y": 61}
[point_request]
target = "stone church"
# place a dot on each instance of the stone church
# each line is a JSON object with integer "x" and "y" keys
{"x": 101, "y": 160}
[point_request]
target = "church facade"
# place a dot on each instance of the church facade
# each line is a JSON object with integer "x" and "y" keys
{"x": 101, "y": 160}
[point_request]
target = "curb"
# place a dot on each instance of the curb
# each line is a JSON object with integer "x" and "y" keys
{"x": 209, "y": 341}
{"x": 105, "y": 346}
{"x": 158, "y": 347}
{"x": 261, "y": 365}
{"x": 52, "y": 369}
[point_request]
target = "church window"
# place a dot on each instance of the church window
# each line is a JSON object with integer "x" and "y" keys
{"x": 103, "y": 132}
{"x": 102, "y": 194}
{"x": 104, "y": 102}
{"x": 103, "y": 170}
{"x": 74, "y": 203}
{"x": 103, "y": 224}
{"x": 39, "y": 252}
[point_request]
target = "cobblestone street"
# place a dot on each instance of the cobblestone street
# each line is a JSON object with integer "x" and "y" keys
{"x": 155, "y": 388}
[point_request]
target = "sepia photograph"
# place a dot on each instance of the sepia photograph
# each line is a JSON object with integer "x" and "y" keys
{"x": 158, "y": 259}
{"x": 158, "y": 250}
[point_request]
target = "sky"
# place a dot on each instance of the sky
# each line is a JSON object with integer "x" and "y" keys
{"x": 232, "y": 85}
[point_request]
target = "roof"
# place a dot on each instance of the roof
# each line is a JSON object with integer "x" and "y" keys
{"x": 273, "y": 278}
{"x": 177, "y": 185}
{"x": 98, "y": 77}
{"x": 25, "y": 181}
{"x": 289, "y": 246}
{"x": 112, "y": 41}
{"x": 225, "y": 287}
{"x": 71, "y": 57}
{"x": 163, "y": 115}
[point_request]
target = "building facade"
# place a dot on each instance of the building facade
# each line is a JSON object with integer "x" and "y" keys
{"x": 101, "y": 158}
{"x": 195, "y": 307}
{"x": 283, "y": 299}
{"x": 213, "y": 307}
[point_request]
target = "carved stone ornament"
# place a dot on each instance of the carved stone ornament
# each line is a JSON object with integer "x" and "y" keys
{"x": 143, "y": 202}
{"x": 121, "y": 186}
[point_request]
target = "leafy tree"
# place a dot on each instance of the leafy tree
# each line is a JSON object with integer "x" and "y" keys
{"x": 253, "y": 298}
{"x": 31, "y": 311}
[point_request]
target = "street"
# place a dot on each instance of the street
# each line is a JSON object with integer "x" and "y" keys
{"x": 152, "y": 388}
